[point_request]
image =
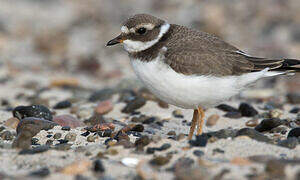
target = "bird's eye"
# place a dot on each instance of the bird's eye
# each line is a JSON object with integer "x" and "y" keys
{"x": 141, "y": 30}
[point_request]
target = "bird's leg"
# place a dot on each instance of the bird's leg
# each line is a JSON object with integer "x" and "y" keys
{"x": 194, "y": 123}
{"x": 200, "y": 121}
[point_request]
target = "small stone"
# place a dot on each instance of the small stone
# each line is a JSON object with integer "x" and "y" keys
{"x": 98, "y": 166}
{"x": 63, "y": 147}
{"x": 112, "y": 152}
{"x": 180, "y": 137}
{"x": 70, "y": 137}
{"x": 40, "y": 173}
{"x": 253, "y": 134}
{"x": 105, "y": 133}
{"x": 222, "y": 134}
{"x": 291, "y": 142}
{"x": 34, "y": 141}
{"x": 78, "y": 167}
{"x": 57, "y": 136}
{"x": 95, "y": 119}
{"x": 12, "y": 122}
{"x": 233, "y": 115}
{"x": 177, "y": 113}
{"x": 7, "y": 135}
{"x": 63, "y": 141}
{"x": 67, "y": 120}
{"x": 247, "y": 110}
{"x": 212, "y": 120}
{"x": 63, "y": 105}
{"x": 268, "y": 124}
{"x": 36, "y": 111}
{"x": 200, "y": 141}
{"x": 2, "y": 128}
{"x": 198, "y": 153}
{"x": 104, "y": 107}
{"x": 91, "y": 138}
{"x": 125, "y": 143}
{"x": 49, "y": 142}
{"x": 275, "y": 113}
{"x": 293, "y": 98}
{"x": 133, "y": 105}
{"x": 101, "y": 127}
{"x": 227, "y": 108}
{"x": 252, "y": 123}
{"x": 66, "y": 128}
{"x": 171, "y": 133}
{"x": 101, "y": 95}
{"x": 160, "y": 160}
{"x": 85, "y": 134}
{"x": 294, "y": 133}
{"x": 64, "y": 82}
{"x": 142, "y": 142}
{"x": 149, "y": 120}
{"x": 39, "y": 149}
{"x": 280, "y": 129}
{"x": 295, "y": 110}
{"x": 163, "y": 104}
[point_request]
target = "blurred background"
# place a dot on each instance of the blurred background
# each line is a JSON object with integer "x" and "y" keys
{"x": 42, "y": 41}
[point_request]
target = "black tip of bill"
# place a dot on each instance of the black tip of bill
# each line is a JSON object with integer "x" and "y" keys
{"x": 113, "y": 42}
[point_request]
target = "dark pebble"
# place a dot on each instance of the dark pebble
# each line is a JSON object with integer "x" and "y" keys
{"x": 63, "y": 147}
{"x": 268, "y": 124}
{"x": 34, "y": 141}
{"x": 253, "y": 134}
{"x": 57, "y": 135}
{"x": 233, "y": 115}
{"x": 177, "y": 114}
{"x": 85, "y": 134}
{"x": 36, "y": 111}
{"x": 63, "y": 141}
{"x": 105, "y": 133}
{"x": 138, "y": 128}
{"x": 2, "y": 128}
{"x": 226, "y": 108}
{"x": 134, "y": 133}
{"x": 66, "y": 128}
{"x": 218, "y": 151}
{"x": 200, "y": 141}
{"x": 294, "y": 133}
{"x": 63, "y": 105}
{"x": 49, "y": 135}
{"x": 183, "y": 162}
{"x": 70, "y": 136}
{"x": 98, "y": 166}
{"x": 295, "y": 110}
{"x": 171, "y": 133}
{"x": 38, "y": 149}
{"x": 160, "y": 160}
{"x": 198, "y": 153}
{"x": 95, "y": 119}
{"x": 142, "y": 142}
{"x": 294, "y": 98}
{"x": 135, "y": 104}
{"x": 34, "y": 125}
{"x": 291, "y": 142}
{"x": 149, "y": 120}
{"x": 101, "y": 95}
{"x": 40, "y": 173}
{"x": 163, "y": 147}
{"x": 247, "y": 110}
{"x": 222, "y": 134}
{"x": 121, "y": 135}
{"x": 125, "y": 143}
{"x": 7, "y": 135}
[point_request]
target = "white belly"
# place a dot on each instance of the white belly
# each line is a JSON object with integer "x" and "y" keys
{"x": 189, "y": 92}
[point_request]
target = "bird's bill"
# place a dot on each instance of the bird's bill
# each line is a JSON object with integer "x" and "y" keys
{"x": 117, "y": 40}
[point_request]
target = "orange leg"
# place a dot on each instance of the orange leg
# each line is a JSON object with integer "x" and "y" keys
{"x": 194, "y": 123}
{"x": 200, "y": 121}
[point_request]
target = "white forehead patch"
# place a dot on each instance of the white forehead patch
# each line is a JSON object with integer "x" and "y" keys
{"x": 137, "y": 46}
{"x": 124, "y": 29}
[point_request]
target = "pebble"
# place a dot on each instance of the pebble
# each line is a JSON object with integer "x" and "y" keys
{"x": 63, "y": 147}
{"x": 91, "y": 138}
{"x": 67, "y": 120}
{"x": 218, "y": 151}
{"x": 2, "y": 128}
{"x": 275, "y": 113}
{"x": 252, "y": 123}
{"x": 291, "y": 142}
{"x": 295, "y": 110}
{"x": 253, "y": 134}
{"x": 222, "y": 134}
{"x": 212, "y": 120}
{"x": 85, "y": 134}
{"x": 70, "y": 137}
{"x": 34, "y": 141}
{"x": 7, "y": 135}
{"x": 171, "y": 133}
{"x": 151, "y": 150}
{"x": 130, "y": 162}
{"x": 41, "y": 173}
{"x": 142, "y": 142}
{"x": 95, "y": 119}
{"x": 198, "y": 153}
{"x": 98, "y": 166}
{"x": 62, "y": 105}
{"x": 268, "y": 124}
{"x": 113, "y": 152}
{"x": 294, "y": 133}
{"x": 125, "y": 143}
{"x": 104, "y": 107}
{"x": 177, "y": 113}
{"x": 163, "y": 104}
{"x": 226, "y": 108}
{"x": 49, "y": 142}
{"x": 200, "y": 141}
{"x": 233, "y": 115}
{"x": 275, "y": 169}
{"x": 36, "y": 111}
{"x": 280, "y": 129}
{"x": 247, "y": 110}
{"x": 101, "y": 95}
{"x": 134, "y": 104}
{"x": 12, "y": 122}
{"x": 160, "y": 160}
{"x": 66, "y": 128}
{"x": 57, "y": 136}
{"x": 34, "y": 125}
{"x": 293, "y": 98}
{"x": 105, "y": 133}
{"x": 38, "y": 149}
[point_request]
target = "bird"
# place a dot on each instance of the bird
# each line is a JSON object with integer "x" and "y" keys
{"x": 192, "y": 69}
